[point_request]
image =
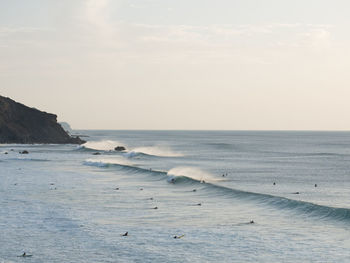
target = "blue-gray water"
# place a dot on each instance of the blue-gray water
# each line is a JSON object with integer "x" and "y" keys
{"x": 60, "y": 203}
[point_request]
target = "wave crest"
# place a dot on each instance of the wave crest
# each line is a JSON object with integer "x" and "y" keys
{"x": 106, "y": 145}
{"x": 160, "y": 151}
{"x": 191, "y": 173}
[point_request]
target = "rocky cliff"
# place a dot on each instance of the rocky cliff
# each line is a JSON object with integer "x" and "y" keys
{"x": 22, "y": 124}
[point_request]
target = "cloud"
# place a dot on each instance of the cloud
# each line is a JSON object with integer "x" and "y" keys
{"x": 235, "y": 35}
{"x": 97, "y": 16}
{"x": 7, "y": 30}
{"x": 318, "y": 39}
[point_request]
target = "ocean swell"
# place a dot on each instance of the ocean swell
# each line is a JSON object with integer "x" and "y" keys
{"x": 190, "y": 175}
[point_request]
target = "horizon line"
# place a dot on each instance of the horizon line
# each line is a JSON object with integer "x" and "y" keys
{"x": 246, "y": 130}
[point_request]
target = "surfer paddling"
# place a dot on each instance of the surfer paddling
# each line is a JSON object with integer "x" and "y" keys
{"x": 178, "y": 237}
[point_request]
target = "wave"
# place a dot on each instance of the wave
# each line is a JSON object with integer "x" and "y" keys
{"x": 133, "y": 154}
{"x": 305, "y": 154}
{"x": 28, "y": 159}
{"x": 123, "y": 165}
{"x": 175, "y": 175}
{"x": 286, "y": 204}
{"x": 160, "y": 151}
{"x": 191, "y": 175}
{"x": 106, "y": 145}
{"x": 107, "y": 162}
{"x": 109, "y": 145}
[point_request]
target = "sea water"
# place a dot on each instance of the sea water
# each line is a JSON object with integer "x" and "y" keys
{"x": 68, "y": 203}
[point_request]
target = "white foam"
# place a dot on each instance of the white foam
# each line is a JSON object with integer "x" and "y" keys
{"x": 161, "y": 151}
{"x": 191, "y": 172}
{"x": 105, "y": 162}
{"x": 105, "y": 145}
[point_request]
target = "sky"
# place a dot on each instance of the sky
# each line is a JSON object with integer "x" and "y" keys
{"x": 180, "y": 64}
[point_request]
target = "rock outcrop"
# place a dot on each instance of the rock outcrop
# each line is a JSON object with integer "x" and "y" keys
{"x": 119, "y": 148}
{"x": 22, "y": 124}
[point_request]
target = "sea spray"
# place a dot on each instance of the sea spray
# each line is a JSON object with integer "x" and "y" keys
{"x": 105, "y": 145}
{"x": 106, "y": 162}
{"x": 161, "y": 151}
{"x": 191, "y": 172}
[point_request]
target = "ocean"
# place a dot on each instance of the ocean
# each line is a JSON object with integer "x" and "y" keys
{"x": 228, "y": 196}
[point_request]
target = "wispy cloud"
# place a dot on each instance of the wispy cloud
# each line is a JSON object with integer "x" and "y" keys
{"x": 10, "y": 30}
{"x": 233, "y": 35}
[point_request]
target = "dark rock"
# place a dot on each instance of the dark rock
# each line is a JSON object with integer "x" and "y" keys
{"x": 119, "y": 148}
{"x": 22, "y": 124}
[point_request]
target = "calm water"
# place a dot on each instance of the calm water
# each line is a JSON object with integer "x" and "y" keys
{"x": 63, "y": 203}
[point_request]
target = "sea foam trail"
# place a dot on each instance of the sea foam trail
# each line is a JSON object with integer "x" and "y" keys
{"x": 190, "y": 175}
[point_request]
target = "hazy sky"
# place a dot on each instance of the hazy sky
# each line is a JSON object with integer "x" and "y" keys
{"x": 180, "y": 64}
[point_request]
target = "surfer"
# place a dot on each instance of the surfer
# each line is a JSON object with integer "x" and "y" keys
{"x": 274, "y": 183}
{"x": 126, "y": 234}
{"x": 251, "y": 222}
{"x": 25, "y": 255}
{"x": 177, "y": 237}
{"x": 315, "y": 185}
{"x": 156, "y": 207}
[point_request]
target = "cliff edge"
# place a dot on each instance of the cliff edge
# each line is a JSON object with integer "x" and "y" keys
{"x": 22, "y": 124}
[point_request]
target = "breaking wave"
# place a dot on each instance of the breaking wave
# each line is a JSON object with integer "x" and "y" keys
{"x": 160, "y": 151}
{"x": 191, "y": 176}
{"x": 107, "y": 145}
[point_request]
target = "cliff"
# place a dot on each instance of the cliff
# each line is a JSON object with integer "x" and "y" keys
{"x": 22, "y": 124}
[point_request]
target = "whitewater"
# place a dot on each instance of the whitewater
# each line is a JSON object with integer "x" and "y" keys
{"x": 232, "y": 196}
